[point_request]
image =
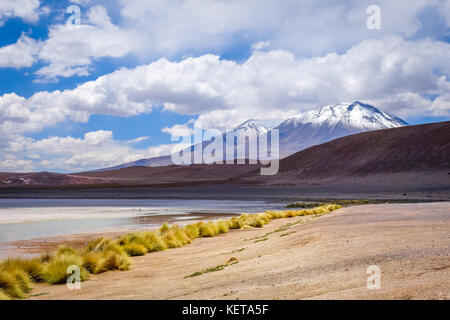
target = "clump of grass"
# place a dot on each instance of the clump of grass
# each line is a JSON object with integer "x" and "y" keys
{"x": 223, "y": 226}
{"x": 164, "y": 228}
{"x": 33, "y": 267}
{"x": 208, "y": 229}
{"x": 114, "y": 261}
{"x": 55, "y": 271}
{"x": 65, "y": 249}
{"x": 23, "y": 280}
{"x": 134, "y": 249}
{"x": 3, "y": 295}
{"x": 155, "y": 241}
{"x": 234, "y": 223}
{"x": 181, "y": 235}
{"x": 93, "y": 244}
{"x": 274, "y": 214}
{"x": 230, "y": 262}
{"x": 10, "y": 285}
{"x": 192, "y": 231}
{"x": 263, "y": 239}
{"x": 175, "y": 237}
{"x": 91, "y": 261}
{"x": 104, "y": 245}
{"x": 304, "y": 205}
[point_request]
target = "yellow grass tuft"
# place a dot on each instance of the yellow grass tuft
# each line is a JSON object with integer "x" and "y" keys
{"x": 208, "y": 229}
{"x": 155, "y": 241}
{"x": 192, "y": 231}
{"x": 65, "y": 249}
{"x": 175, "y": 237}
{"x": 104, "y": 245}
{"x": 234, "y": 223}
{"x": 55, "y": 271}
{"x": 134, "y": 249}
{"x": 33, "y": 267}
{"x": 91, "y": 261}
{"x": 223, "y": 226}
{"x": 114, "y": 261}
{"x": 3, "y": 295}
{"x": 10, "y": 285}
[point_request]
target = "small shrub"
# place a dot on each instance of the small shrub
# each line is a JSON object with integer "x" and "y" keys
{"x": 134, "y": 249}
{"x": 155, "y": 241}
{"x": 274, "y": 214}
{"x": 181, "y": 235}
{"x": 105, "y": 245}
{"x": 23, "y": 280}
{"x": 91, "y": 261}
{"x": 114, "y": 261}
{"x": 93, "y": 244}
{"x": 33, "y": 267}
{"x": 64, "y": 249}
{"x": 223, "y": 226}
{"x": 164, "y": 228}
{"x": 192, "y": 231}
{"x": 9, "y": 285}
{"x": 171, "y": 240}
{"x": 235, "y": 223}
{"x": 3, "y": 295}
{"x": 209, "y": 229}
{"x": 55, "y": 271}
{"x": 259, "y": 222}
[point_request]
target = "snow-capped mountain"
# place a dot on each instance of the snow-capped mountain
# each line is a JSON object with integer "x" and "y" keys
{"x": 331, "y": 122}
{"x": 356, "y": 115}
{"x": 254, "y": 127}
{"x": 303, "y": 130}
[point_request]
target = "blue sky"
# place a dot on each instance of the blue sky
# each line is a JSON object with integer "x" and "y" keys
{"x": 115, "y": 87}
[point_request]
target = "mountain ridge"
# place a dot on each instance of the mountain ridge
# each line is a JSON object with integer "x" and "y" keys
{"x": 301, "y": 131}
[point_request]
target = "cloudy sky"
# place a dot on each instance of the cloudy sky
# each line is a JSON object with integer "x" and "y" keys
{"x": 108, "y": 81}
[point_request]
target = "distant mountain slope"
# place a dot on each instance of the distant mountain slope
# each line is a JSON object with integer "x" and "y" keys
{"x": 413, "y": 150}
{"x": 407, "y": 157}
{"x": 197, "y": 173}
{"x": 331, "y": 122}
{"x": 45, "y": 179}
{"x": 251, "y": 128}
{"x": 302, "y": 131}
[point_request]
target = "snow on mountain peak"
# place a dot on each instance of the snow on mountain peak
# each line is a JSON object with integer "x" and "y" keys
{"x": 354, "y": 115}
{"x": 255, "y": 127}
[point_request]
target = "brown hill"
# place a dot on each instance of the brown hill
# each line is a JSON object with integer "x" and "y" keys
{"x": 8, "y": 179}
{"x": 412, "y": 156}
{"x": 198, "y": 173}
{"x": 382, "y": 156}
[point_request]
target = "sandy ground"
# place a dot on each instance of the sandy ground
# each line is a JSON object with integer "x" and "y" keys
{"x": 317, "y": 258}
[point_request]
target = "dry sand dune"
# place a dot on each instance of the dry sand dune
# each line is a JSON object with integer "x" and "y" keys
{"x": 325, "y": 258}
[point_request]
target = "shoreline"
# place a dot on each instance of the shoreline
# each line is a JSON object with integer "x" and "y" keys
{"x": 47, "y": 244}
{"x": 324, "y": 259}
{"x": 235, "y": 192}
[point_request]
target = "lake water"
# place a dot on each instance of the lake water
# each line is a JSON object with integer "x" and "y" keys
{"x": 23, "y": 219}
